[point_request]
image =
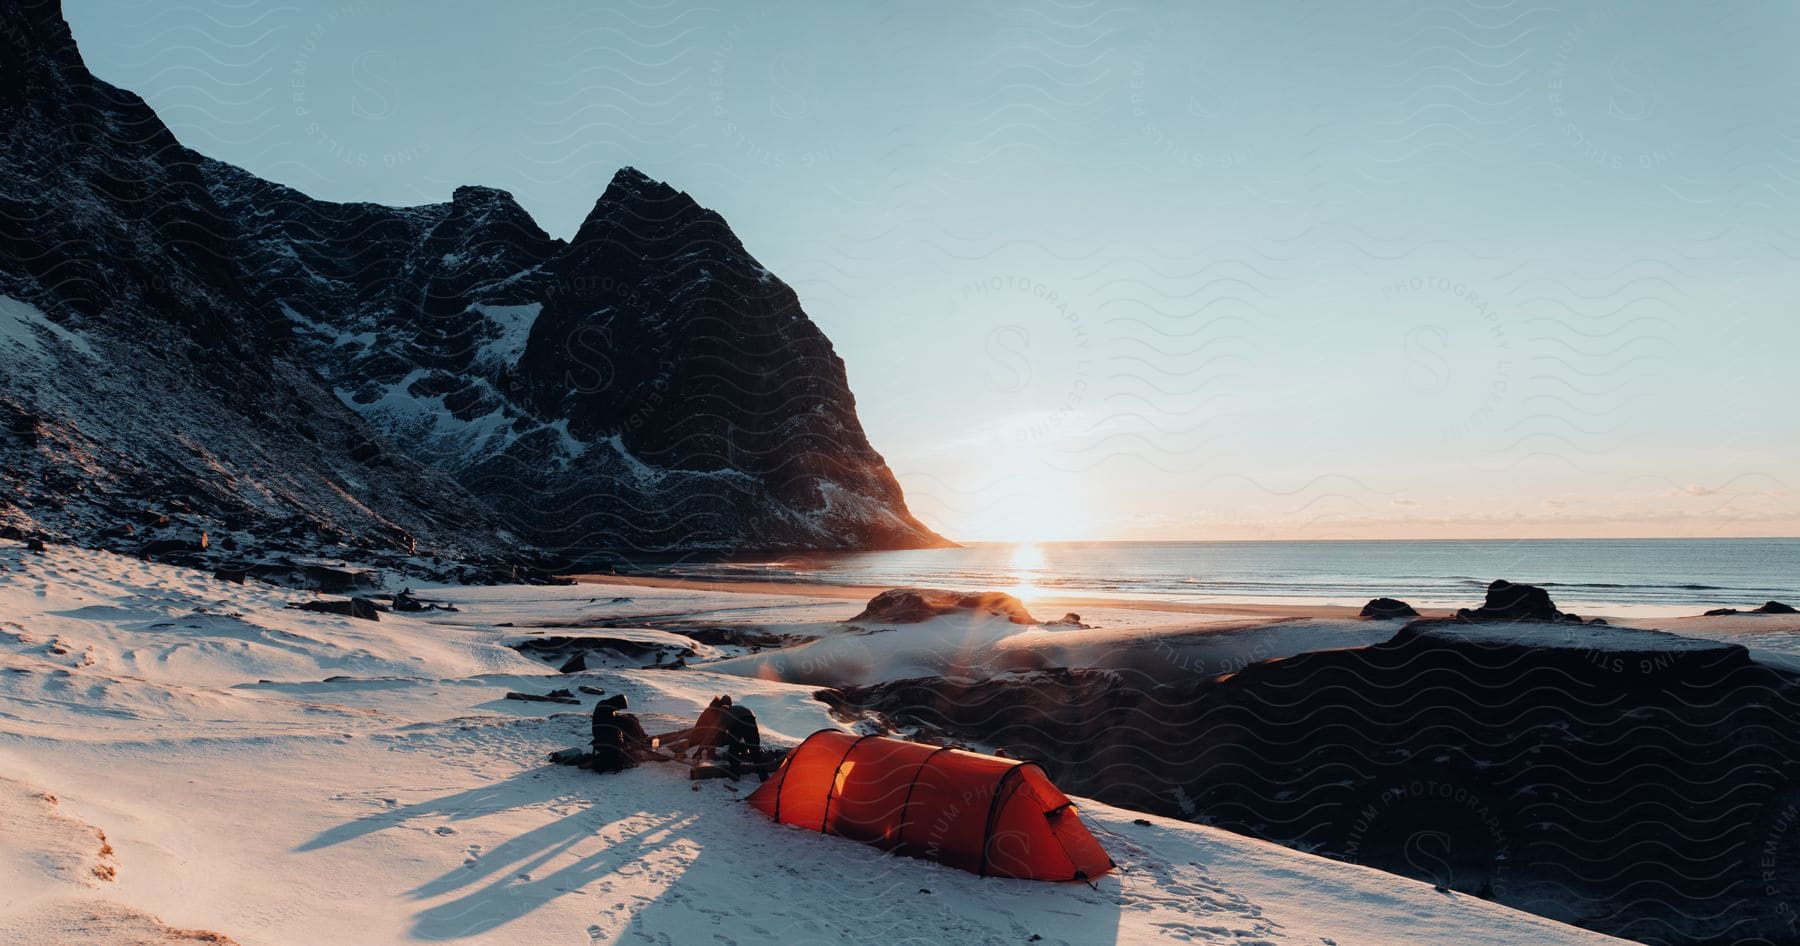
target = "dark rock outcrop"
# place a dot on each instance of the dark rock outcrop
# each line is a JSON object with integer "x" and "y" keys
{"x": 163, "y": 548}
{"x": 1383, "y": 608}
{"x": 913, "y": 605}
{"x": 361, "y": 608}
{"x": 1568, "y": 778}
{"x": 405, "y": 602}
{"x": 1507, "y": 601}
{"x": 573, "y": 654}
{"x": 1767, "y": 607}
{"x": 353, "y": 379}
{"x": 554, "y": 696}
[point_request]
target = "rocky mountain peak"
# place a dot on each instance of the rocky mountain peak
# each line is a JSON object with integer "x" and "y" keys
{"x": 491, "y": 204}
{"x": 448, "y": 377}
{"x": 638, "y": 211}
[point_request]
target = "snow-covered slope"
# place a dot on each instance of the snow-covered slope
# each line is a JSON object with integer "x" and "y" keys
{"x": 284, "y": 777}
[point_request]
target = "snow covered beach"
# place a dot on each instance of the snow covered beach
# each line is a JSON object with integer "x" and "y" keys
{"x": 265, "y": 775}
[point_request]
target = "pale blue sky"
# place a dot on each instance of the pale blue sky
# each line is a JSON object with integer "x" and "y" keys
{"x": 1149, "y": 270}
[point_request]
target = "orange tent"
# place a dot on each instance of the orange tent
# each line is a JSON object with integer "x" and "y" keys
{"x": 989, "y": 816}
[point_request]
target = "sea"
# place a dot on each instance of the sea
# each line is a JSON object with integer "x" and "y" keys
{"x": 1670, "y": 576}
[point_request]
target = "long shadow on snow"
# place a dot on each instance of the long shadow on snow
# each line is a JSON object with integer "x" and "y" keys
{"x": 742, "y": 870}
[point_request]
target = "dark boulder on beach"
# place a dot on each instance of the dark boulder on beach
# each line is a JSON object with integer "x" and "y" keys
{"x": 1767, "y": 607}
{"x": 1507, "y": 601}
{"x": 1388, "y": 608}
{"x": 914, "y": 605}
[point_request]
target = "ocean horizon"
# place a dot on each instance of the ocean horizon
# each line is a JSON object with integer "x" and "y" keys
{"x": 1640, "y": 576}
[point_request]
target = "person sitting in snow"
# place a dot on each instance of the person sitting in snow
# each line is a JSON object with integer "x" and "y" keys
{"x": 618, "y": 737}
{"x": 708, "y": 734}
{"x": 743, "y": 740}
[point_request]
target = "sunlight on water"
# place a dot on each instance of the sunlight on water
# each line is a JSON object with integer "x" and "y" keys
{"x": 1618, "y": 577}
{"x": 1027, "y": 567}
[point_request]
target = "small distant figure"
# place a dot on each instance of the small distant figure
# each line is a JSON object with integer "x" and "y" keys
{"x": 618, "y": 737}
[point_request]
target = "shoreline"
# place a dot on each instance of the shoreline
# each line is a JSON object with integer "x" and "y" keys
{"x": 850, "y": 592}
{"x": 1264, "y": 608}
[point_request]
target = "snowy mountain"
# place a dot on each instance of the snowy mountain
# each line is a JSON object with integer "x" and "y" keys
{"x": 184, "y": 339}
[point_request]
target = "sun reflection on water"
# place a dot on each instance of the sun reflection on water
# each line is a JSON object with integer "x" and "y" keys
{"x": 1028, "y": 566}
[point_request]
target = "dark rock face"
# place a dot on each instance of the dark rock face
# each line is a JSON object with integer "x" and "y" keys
{"x": 1775, "y": 607}
{"x": 573, "y": 654}
{"x": 1568, "y": 781}
{"x": 361, "y": 608}
{"x": 1507, "y": 601}
{"x": 1382, "y": 608}
{"x": 397, "y": 379}
{"x": 913, "y": 605}
{"x": 166, "y": 547}
{"x": 312, "y": 577}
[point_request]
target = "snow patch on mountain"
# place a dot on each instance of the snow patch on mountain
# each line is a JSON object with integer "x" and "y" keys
{"x": 24, "y": 327}
{"x": 513, "y": 327}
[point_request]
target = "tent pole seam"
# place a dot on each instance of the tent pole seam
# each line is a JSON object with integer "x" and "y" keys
{"x": 906, "y": 805}
{"x": 831, "y": 784}
{"x": 781, "y": 786}
{"x": 987, "y": 832}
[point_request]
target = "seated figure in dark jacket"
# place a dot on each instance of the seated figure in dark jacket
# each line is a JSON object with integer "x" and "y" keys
{"x": 743, "y": 740}
{"x": 618, "y": 737}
